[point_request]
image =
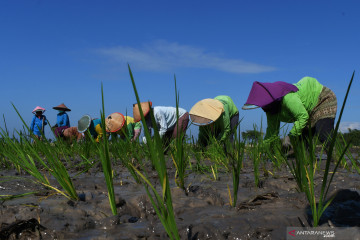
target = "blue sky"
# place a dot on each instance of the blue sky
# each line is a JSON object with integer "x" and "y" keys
{"x": 60, "y": 51}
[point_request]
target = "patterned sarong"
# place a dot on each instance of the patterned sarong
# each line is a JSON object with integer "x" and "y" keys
{"x": 325, "y": 108}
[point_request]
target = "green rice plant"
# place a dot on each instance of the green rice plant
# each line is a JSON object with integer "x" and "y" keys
{"x": 197, "y": 153}
{"x": 298, "y": 165}
{"x": 310, "y": 167}
{"x": 178, "y": 151}
{"x": 162, "y": 204}
{"x": 340, "y": 145}
{"x": 236, "y": 153}
{"x": 274, "y": 153}
{"x": 27, "y": 158}
{"x": 256, "y": 151}
{"x": 215, "y": 152}
{"x": 29, "y": 153}
{"x": 17, "y": 155}
{"x": 104, "y": 154}
{"x": 123, "y": 150}
{"x": 6, "y": 129}
{"x": 4, "y": 198}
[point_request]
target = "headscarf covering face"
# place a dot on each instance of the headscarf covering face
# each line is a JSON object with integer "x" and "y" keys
{"x": 263, "y": 94}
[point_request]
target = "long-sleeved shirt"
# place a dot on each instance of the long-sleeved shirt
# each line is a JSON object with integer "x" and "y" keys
{"x": 95, "y": 129}
{"x": 36, "y": 124}
{"x": 62, "y": 120}
{"x": 165, "y": 118}
{"x": 130, "y": 128}
{"x": 221, "y": 128}
{"x": 295, "y": 108}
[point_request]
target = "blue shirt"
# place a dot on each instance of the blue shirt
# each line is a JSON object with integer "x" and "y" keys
{"x": 36, "y": 124}
{"x": 62, "y": 120}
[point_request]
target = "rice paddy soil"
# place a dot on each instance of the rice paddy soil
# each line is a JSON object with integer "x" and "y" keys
{"x": 202, "y": 212}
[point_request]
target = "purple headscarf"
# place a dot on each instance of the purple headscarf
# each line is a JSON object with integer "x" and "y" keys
{"x": 262, "y": 94}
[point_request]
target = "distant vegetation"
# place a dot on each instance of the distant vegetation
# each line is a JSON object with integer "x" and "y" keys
{"x": 353, "y": 135}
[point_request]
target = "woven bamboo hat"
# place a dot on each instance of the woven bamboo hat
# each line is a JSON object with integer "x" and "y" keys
{"x": 62, "y": 107}
{"x": 145, "y": 106}
{"x": 206, "y": 111}
{"x": 84, "y": 123}
{"x": 38, "y": 109}
{"x": 114, "y": 122}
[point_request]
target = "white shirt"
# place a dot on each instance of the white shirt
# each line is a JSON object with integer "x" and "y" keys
{"x": 165, "y": 118}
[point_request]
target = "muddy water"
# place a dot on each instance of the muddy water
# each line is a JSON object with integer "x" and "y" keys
{"x": 202, "y": 213}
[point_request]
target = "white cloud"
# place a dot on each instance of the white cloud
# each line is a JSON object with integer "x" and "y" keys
{"x": 344, "y": 126}
{"x": 164, "y": 56}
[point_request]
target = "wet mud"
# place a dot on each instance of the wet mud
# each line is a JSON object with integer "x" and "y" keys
{"x": 202, "y": 212}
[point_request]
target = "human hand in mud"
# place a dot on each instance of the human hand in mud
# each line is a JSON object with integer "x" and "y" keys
{"x": 286, "y": 144}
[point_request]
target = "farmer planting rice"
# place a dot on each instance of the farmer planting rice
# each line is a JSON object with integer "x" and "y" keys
{"x": 62, "y": 120}
{"x": 216, "y": 117}
{"x": 38, "y": 122}
{"x": 165, "y": 119}
{"x": 305, "y": 103}
{"x": 71, "y": 133}
{"x": 124, "y": 126}
{"x": 94, "y": 126}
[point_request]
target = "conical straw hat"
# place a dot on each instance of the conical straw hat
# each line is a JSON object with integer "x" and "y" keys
{"x": 38, "y": 109}
{"x": 84, "y": 123}
{"x": 62, "y": 107}
{"x": 114, "y": 122}
{"x": 206, "y": 111}
{"x": 145, "y": 106}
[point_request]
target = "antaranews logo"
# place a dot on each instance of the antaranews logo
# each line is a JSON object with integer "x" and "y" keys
{"x": 292, "y": 232}
{"x": 309, "y": 233}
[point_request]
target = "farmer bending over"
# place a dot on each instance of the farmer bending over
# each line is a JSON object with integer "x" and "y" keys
{"x": 217, "y": 118}
{"x": 71, "y": 133}
{"x": 165, "y": 119}
{"x": 94, "y": 126}
{"x": 305, "y": 103}
{"x": 124, "y": 126}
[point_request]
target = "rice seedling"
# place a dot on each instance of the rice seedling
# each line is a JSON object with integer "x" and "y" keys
{"x": 274, "y": 153}
{"x": 215, "y": 152}
{"x": 6, "y": 129}
{"x": 256, "y": 152}
{"x": 21, "y": 159}
{"x": 162, "y": 204}
{"x": 123, "y": 150}
{"x": 104, "y": 154}
{"x": 197, "y": 153}
{"x": 236, "y": 152}
{"x": 297, "y": 166}
{"x": 25, "y": 156}
{"x": 4, "y": 198}
{"x": 307, "y": 166}
{"x": 178, "y": 152}
{"x": 340, "y": 145}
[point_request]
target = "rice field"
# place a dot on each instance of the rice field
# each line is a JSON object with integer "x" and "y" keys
{"x": 119, "y": 189}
